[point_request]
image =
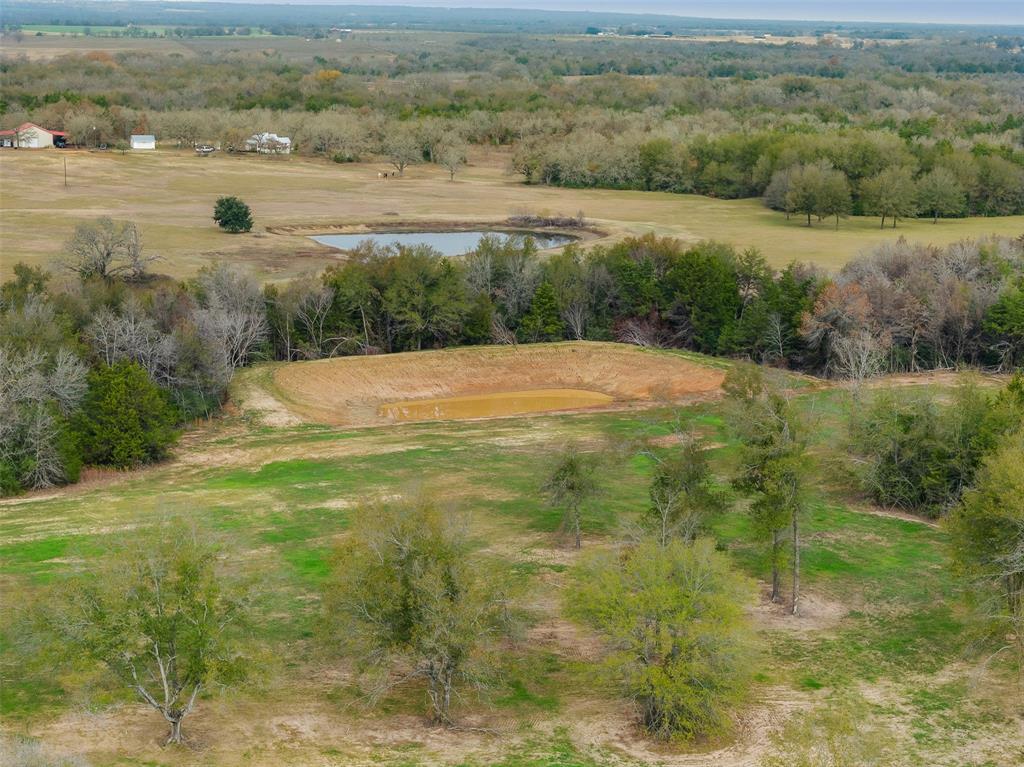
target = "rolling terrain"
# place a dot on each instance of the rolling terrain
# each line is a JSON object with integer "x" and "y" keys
{"x": 882, "y": 619}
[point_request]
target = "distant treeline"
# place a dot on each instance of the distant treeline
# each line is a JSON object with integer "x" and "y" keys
{"x": 721, "y": 119}
{"x": 100, "y": 361}
{"x": 299, "y": 18}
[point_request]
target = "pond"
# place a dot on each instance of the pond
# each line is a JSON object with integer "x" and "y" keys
{"x": 446, "y": 243}
{"x": 493, "y": 404}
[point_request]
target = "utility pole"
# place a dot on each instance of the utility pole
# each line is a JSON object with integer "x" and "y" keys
{"x": 65, "y": 172}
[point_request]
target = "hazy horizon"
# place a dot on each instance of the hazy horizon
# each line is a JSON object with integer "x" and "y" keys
{"x": 915, "y": 11}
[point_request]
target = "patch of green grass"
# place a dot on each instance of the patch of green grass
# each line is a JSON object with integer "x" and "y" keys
{"x": 26, "y": 556}
{"x": 872, "y": 647}
{"x": 300, "y": 524}
{"x": 312, "y": 564}
{"x": 810, "y": 683}
{"x": 531, "y": 680}
{"x": 20, "y": 698}
{"x": 558, "y": 751}
{"x": 518, "y": 695}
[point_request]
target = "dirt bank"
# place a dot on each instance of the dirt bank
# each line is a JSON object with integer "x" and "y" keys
{"x": 351, "y": 390}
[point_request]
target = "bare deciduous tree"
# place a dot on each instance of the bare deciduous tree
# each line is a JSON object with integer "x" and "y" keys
{"x": 34, "y": 393}
{"x": 231, "y": 316}
{"x": 451, "y": 156}
{"x": 44, "y": 467}
{"x": 639, "y": 332}
{"x": 311, "y": 313}
{"x": 402, "y": 149}
{"x": 517, "y": 285}
{"x": 106, "y": 250}
{"x": 500, "y": 333}
{"x": 134, "y": 336}
{"x": 776, "y": 337}
{"x": 66, "y": 383}
{"x": 860, "y": 355}
{"x": 575, "y": 315}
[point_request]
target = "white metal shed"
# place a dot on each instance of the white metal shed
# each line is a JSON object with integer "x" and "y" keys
{"x": 143, "y": 141}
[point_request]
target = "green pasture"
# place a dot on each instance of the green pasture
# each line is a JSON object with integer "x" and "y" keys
{"x": 901, "y": 624}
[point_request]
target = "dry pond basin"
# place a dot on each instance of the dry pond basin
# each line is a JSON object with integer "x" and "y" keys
{"x": 472, "y": 382}
{"x": 494, "y": 404}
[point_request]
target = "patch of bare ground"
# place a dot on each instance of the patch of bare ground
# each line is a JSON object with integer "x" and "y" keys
{"x": 984, "y": 725}
{"x": 609, "y": 725}
{"x": 881, "y": 511}
{"x": 304, "y": 727}
{"x": 259, "y": 402}
{"x": 671, "y": 440}
{"x": 935, "y": 378}
{"x": 305, "y": 732}
{"x": 817, "y": 613}
{"x": 351, "y": 390}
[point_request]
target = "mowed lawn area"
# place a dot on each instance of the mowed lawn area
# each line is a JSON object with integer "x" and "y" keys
{"x": 170, "y": 195}
{"x": 883, "y": 619}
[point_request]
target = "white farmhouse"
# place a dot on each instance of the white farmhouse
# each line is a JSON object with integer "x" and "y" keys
{"x": 143, "y": 141}
{"x": 269, "y": 143}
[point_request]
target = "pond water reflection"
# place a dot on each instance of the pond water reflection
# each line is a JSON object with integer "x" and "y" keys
{"x": 446, "y": 243}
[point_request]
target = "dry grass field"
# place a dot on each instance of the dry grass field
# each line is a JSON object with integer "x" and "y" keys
{"x": 349, "y": 391}
{"x": 369, "y": 45}
{"x": 170, "y": 195}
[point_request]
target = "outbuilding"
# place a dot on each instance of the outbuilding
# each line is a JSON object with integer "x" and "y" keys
{"x": 32, "y": 136}
{"x": 269, "y": 143}
{"x": 143, "y": 141}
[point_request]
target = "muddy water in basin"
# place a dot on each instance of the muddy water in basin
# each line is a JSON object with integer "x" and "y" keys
{"x": 494, "y": 404}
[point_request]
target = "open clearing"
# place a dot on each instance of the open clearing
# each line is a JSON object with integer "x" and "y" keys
{"x": 883, "y": 614}
{"x": 359, "y": 391}
{"x": 170, "y": 195}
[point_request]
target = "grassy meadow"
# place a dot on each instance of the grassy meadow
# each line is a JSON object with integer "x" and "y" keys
{"x": 882, "y": 618}
{"x": 170, "y": 195}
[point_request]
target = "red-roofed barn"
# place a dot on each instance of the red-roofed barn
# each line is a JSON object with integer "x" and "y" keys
{"x": 32, "y": 136}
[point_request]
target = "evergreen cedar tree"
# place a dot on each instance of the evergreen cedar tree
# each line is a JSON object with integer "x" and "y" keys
{"x": 125, "y": 419}
{"x": 232, "y": 215}
{"x": 544, "y": 321}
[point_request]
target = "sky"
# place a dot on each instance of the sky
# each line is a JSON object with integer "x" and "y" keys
{"x": 923, "y": 11}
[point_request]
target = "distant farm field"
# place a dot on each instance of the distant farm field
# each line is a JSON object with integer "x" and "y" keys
{"x": 170, "y": 195}
{"x": 87, "y": 30}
